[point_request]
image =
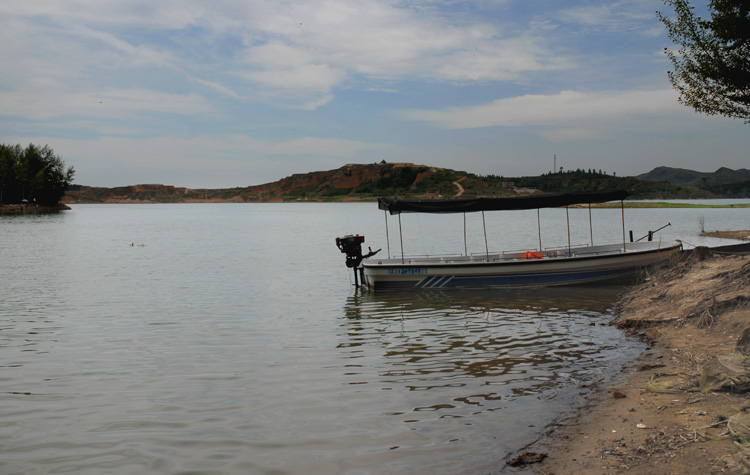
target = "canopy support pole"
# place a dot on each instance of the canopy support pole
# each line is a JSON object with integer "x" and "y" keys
{"x": 591, "y": 227}
{"x": 401, "y": 238}
{"x": 387, "y": 235}
{"x": 466, "y": 249}
{"x": 567, "y": 218}
{"x": 622, "y": 209}
{"x": 486, "y": 248}
{"x": 539, "y": 228}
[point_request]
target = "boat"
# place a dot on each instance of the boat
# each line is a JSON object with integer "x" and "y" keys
{"x": 534, "y": 267}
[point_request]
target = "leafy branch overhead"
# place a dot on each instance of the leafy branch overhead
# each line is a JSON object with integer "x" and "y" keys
{"x": 712, "y": 62}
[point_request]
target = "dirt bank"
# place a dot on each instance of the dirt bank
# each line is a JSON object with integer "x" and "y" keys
{"x": 654, "y": 418}
{"x": 739, "y": 235}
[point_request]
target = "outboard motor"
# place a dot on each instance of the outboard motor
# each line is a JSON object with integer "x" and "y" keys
{"x": 351, "y": 245}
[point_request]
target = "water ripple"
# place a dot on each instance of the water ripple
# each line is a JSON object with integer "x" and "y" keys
{"x": 226, "y": 344}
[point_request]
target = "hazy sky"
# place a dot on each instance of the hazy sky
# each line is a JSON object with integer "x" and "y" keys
{"x": 242, "y": 92}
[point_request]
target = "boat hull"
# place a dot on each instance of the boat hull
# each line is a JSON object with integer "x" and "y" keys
{"x": 555, "y": 268}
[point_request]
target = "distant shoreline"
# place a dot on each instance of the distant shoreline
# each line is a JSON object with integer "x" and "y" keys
{"x": 661, "y": 204}
{"x": 627, "y": 204}
{"x": 19, "y": 209}
{"x": 31, "y": 209}
{"x": 367, "y": 182}
{"x": 738, "y": 235}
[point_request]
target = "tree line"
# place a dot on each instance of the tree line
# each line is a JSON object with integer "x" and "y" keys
{"x": 33, "y": 174}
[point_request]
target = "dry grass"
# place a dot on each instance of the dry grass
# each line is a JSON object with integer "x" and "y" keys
{"x": 697, "y": 289}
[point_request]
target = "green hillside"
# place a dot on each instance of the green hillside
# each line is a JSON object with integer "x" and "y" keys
{"x": 580, "y": 180}
{"x": 405, "y": 180}
{"x": 681, "y": 176}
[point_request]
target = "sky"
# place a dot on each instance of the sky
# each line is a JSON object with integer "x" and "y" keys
{"x": 233, "y": 93}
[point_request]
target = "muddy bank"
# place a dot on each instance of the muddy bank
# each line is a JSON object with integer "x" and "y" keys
{"x": 654, "y": 417}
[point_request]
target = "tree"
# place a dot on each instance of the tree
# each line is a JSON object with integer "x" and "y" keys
{"x": 33, "y": 173}
{"x": 712, "y": 62}
{"x": 10, "y": 157}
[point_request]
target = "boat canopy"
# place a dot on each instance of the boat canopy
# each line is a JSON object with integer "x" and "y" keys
{"x": 396, "y": 206}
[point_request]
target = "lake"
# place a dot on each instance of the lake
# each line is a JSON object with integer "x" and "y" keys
{"x": 228, "y": 338}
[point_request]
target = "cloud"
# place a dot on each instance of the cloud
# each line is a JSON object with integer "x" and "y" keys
{"x": 47, "y": 99}
{"x": 281, "y": 69}
{"x": 168, "y": 14}
{"x": 135, "y": 56}
{"x": 381, "y": 40}
{"x": 290, "y": 53}
{"x": 572, "y": 114}
{"x": 613, "y": 16}
{"x": 218, "y": 87}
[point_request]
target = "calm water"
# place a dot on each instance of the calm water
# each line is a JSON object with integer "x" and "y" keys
{"x": 227, "y": 338}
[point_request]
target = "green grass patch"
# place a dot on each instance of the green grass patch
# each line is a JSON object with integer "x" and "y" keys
{"x": 655, "y": 204}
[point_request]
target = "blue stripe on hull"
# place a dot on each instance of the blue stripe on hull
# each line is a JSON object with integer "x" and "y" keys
{"x": 435, "y": 282}
{"x": 523, "y": 280}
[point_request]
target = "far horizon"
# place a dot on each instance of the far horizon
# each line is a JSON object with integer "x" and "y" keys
{"x": 175, "y": 185}
{"x": 249, "y": 94}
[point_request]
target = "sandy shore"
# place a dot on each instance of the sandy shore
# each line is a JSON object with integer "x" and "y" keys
{"x": 653, "y": 418}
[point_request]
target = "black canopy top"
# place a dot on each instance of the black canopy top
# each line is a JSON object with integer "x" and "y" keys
{"x": 396, "y": 206}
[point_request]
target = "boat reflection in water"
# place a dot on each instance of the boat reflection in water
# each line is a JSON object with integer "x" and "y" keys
{"x": 504, "y": 363}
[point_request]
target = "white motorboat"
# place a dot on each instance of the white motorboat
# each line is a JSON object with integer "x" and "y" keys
{"x": 539, "y": 267}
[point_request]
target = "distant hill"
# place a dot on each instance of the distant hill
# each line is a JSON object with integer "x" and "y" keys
{"x": 723, "y": 183}
{"x": 406, "y": 180}
{"x": 348, "y": 183}
{"x": 681, "y": 176}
